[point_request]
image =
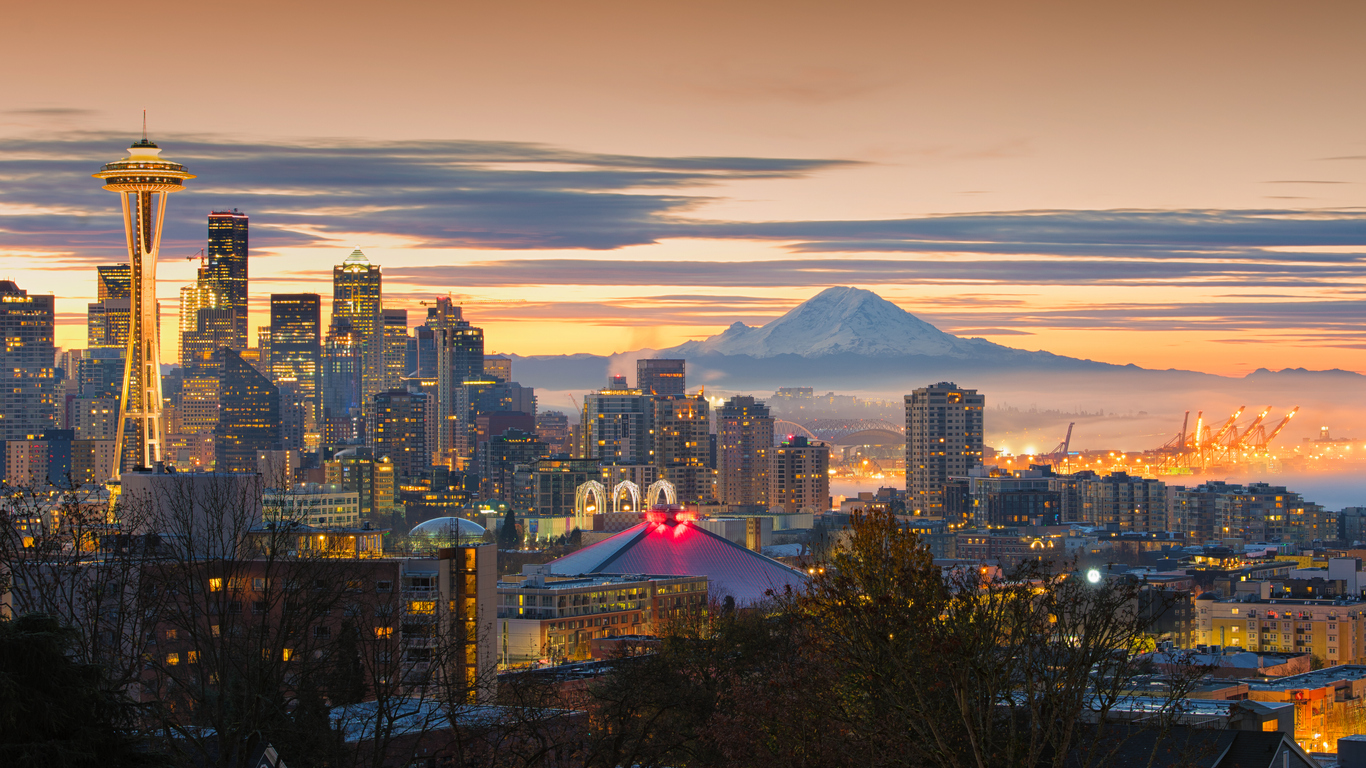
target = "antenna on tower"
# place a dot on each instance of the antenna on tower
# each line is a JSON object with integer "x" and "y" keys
{"x": 144, "y": 126}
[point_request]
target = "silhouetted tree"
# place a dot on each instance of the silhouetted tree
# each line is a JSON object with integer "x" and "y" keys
{"x": 55, "y": 711}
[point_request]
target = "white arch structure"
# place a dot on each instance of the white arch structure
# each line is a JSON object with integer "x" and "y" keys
{"x": 632, "y": 489}
{"x": 583, "y": 514}
{"x": 658, "y": 486}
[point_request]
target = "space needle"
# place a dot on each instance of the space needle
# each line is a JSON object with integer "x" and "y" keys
{"x": 142, "y": 180}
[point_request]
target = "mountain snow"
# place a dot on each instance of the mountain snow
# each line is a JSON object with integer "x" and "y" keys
{"x": 837, "y": 321}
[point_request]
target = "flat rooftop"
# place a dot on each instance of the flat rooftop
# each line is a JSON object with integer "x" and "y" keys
{"x": 1320, "y": 678}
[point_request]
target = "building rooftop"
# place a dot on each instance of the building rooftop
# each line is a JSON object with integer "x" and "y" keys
{"x": 586, "y": 580}
{"x": 1319, "y": 678}
{"x": 668, "y": 543}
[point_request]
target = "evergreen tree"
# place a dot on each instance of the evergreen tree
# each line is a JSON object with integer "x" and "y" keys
{"x": 55, "y": 711}
{"x": 507, "y": 535}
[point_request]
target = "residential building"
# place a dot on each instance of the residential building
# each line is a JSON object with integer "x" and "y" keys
{"x": 1001, "y": 498}
{"x": 682, "y": 446}
{"x": 744, "y": 429}
{"x": 498, "y": 368}
{"x": 798, "y": 476}
{"x": 944, "y": 435}
{"x": 356, "y": 470}
{"x": 499, "y": 460}
{"x": 617, "y": 426}
{"x": 1125, "y": 502}
{"x": 555, "y": 481}
{"x": 94, "y": 418}
{"x": 553, "y": 428}
{"x": 661, "y": 377}
{"x": 1332, "y": 629}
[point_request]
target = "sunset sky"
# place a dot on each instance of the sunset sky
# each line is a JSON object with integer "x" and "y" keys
{"x": 1171, "y": 184}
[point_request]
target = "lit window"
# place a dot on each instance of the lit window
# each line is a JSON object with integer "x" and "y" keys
{"x": 172, "y": 659}
{"x": 215, "y": 585}
{"x": 384, "y": 633}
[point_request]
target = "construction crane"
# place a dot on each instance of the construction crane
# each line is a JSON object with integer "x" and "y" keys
{"x": 1280, "y": 426}
{"x": 1059, "y": 454}
{"x": 1255, "y": 428}
{"x": 200, "y": 253}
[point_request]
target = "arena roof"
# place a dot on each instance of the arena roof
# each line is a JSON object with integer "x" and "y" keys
{"x": 669, "y": 544}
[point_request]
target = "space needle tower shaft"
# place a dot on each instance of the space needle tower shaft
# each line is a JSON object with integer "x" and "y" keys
{"x": 143, "y": 180}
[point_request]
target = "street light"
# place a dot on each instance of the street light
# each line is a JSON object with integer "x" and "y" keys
{"x": 1093, "y": 576}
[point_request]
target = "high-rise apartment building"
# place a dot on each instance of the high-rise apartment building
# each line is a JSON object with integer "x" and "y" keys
{"x": 616, "y": 427}
{"x": 29, "y": 389}
{"x": 556, "y": 480}
{"x": 398, "y": 429}
{"x": 357, "y": 293}
{"x": 499, "y": 460}
{"x": 661, "y": 377}
{"x": 227, "y": 268}
{"x": 744, "y": 431}
{"x": 94, "y": 418}
{"x": 296, "y": 345}
{"x": 356, "y": 470}
{"x": 395, "y": 331}
{"x": 498, "y": 367}
{"x": 943, "y": 440}
{"x": 798, "y": 476}
{"x": 553, "y": 428}
{"x": 682, "y": 446}
{"x": 248, "y": 414}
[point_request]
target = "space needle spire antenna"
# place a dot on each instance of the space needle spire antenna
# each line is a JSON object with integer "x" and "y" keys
{"x": 143, "y": 180}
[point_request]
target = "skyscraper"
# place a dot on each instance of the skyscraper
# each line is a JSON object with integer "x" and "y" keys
{"x": 356, "y": 296}
{"x": 616, "y": 427}
{"x": 682, "y": 445}
{"x": 106, "y": 320}
{"x": 398, "y": 429}
{"x": 199, "y": 348}
{"x": 248, "y": 414}
{"x": 744, "y": 430}
{"x": 193, "y": 297}
{"x": 227, "y": 268}
{"x": 296, "y": 344}
{"x": 943, "y": 440}
{"x": 459, "y": 359}
{"x": 341, "y": 372}
{"x": 28, "y": 376}
{"x": 143, "y": 182}
{"x": 661, "y": 377}
{"x": 395, "y": 347}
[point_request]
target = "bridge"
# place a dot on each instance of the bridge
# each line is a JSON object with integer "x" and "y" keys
{"x": 843, "y": 431}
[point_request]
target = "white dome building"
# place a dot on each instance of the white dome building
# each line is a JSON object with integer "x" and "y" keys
{"x": 447, "y": 531}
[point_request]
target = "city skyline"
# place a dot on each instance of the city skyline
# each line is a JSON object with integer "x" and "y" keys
{"x": 1172, "y": 188}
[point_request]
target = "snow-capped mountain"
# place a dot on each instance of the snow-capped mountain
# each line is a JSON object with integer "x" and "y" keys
{"x": 836, "y": 321}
